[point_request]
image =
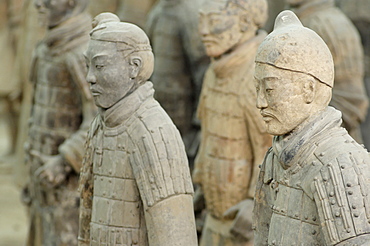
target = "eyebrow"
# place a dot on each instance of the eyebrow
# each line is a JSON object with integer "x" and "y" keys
{"x": 98, "y": 56}
{"x": 95, "y": 56}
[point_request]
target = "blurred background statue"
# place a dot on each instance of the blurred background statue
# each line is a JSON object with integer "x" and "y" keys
{"x": 234, "y": 138}
{"x": 10, "y": 92}
{"x": 62, "y": 109}
{"x": 343, "y": 40}
{"x": 180, "y": 64}
{"x": 359, "y": 13}
{"x": 29, "y": 34}
{"x": 135, "y": 11}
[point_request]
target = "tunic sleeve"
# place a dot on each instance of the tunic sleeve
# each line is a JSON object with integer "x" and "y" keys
{"x": 158, "y": 158}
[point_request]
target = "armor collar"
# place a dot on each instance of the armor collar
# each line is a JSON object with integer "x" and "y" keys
{"x": 301, "y": 143}
{"x": 226, "y": 65}
{"x": 311, "y": 7}
{"x": 127, "y": 106}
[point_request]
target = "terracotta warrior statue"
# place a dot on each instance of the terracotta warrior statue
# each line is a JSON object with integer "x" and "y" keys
{"x": 180, "y": 64}
{"x": 343, "y": 40}
{"x": 61, "y": 113}
{"x": 313, "y": 187}
{"x": 234, "y": 138}
{"x": 135, "y": 183}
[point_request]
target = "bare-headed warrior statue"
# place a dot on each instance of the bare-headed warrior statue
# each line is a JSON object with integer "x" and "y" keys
{"x": 314, "y": 184}
{"x": 234, "y": 138}
{"x": 62, "y": 110}
{"x": 135, "y": 183}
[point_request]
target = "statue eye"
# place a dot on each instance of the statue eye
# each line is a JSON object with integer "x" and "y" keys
{"x": 269, "y": 90}
{"x": 99, "y": 66}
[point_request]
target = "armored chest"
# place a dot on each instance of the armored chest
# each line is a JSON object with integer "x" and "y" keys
{"x": 118, "y": 217}
{"x": 57, "y": 110}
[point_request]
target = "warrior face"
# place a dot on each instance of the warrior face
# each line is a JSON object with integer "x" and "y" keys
{"x": 283, "y": 97}
{"x": 111, "y": 73}
{"x": 219, "y": 28}
{"x": 54, "y": 12}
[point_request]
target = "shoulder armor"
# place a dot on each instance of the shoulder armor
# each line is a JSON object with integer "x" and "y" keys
{"x": 341, "y": 189}
{"x": 158, "y": 157}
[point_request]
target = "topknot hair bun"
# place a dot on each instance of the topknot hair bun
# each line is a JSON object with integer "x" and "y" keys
{"x": 104, "y": 18}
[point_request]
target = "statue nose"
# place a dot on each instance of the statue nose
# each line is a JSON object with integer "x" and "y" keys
{"x": 90, "y": 78}
{"x": 261, "y": 101}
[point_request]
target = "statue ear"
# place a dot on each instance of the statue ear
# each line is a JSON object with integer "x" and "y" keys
{"x": 136, "y": 63}
{"x": 308, "y": 90}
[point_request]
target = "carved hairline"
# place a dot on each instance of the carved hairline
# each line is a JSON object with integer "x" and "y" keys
{"x": 137, "y": 47}
{"x": 295, "y": 71}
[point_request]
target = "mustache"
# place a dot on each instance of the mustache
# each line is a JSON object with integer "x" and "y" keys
{"x": 95, "y": 90}
{"x": 267, "y": 114}
{"x": 208, "y": 40}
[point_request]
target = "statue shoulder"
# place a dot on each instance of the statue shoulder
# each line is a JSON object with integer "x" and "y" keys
{"x": 341, "y": 190}
{"x": 158, "y": 156}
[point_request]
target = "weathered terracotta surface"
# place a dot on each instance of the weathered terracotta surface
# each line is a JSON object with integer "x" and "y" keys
{"x": 358, "y": 12}
{"x": 62, "y": 110}
{"x": 343, "y": 40}
{"x": 135, "y": 183}
{"x": 180, "y": 64}
{"x": 234, "y": 138}
{"x": 314, "y": 182}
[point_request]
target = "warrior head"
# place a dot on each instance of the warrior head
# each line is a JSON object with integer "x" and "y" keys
{"x": 119, "y": 59}
{"x": 54, "y": 12}
{"x": 224, "y": 24}
{"x": 294, "y": 75}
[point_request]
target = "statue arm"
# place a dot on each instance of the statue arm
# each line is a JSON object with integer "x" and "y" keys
{"x": 170, "y": 222}
{"x": 162, "y": 174}
{"x": 86, "y": 189}
{"x": 262, "y": 211}
{"x": 340, "y": 191}
{"x": 73, "y": 148}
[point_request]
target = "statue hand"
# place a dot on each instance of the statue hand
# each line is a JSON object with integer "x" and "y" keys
{"x": 53, "y": 172}
{"x": 242, "y": 214}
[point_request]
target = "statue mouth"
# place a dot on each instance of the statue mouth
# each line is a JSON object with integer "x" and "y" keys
{"x": 267, "y": 116}
{"x": 95, "y": 92}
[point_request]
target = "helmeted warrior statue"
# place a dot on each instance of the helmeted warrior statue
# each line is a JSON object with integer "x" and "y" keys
{"x": 135, "y": 183}
{"x": 234, "y": 138}
{"x": 180, "y": 64}
{"x": 343, "y": 40}
{"x": 313, "y": 187}
{"x": 61, "y": 113}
